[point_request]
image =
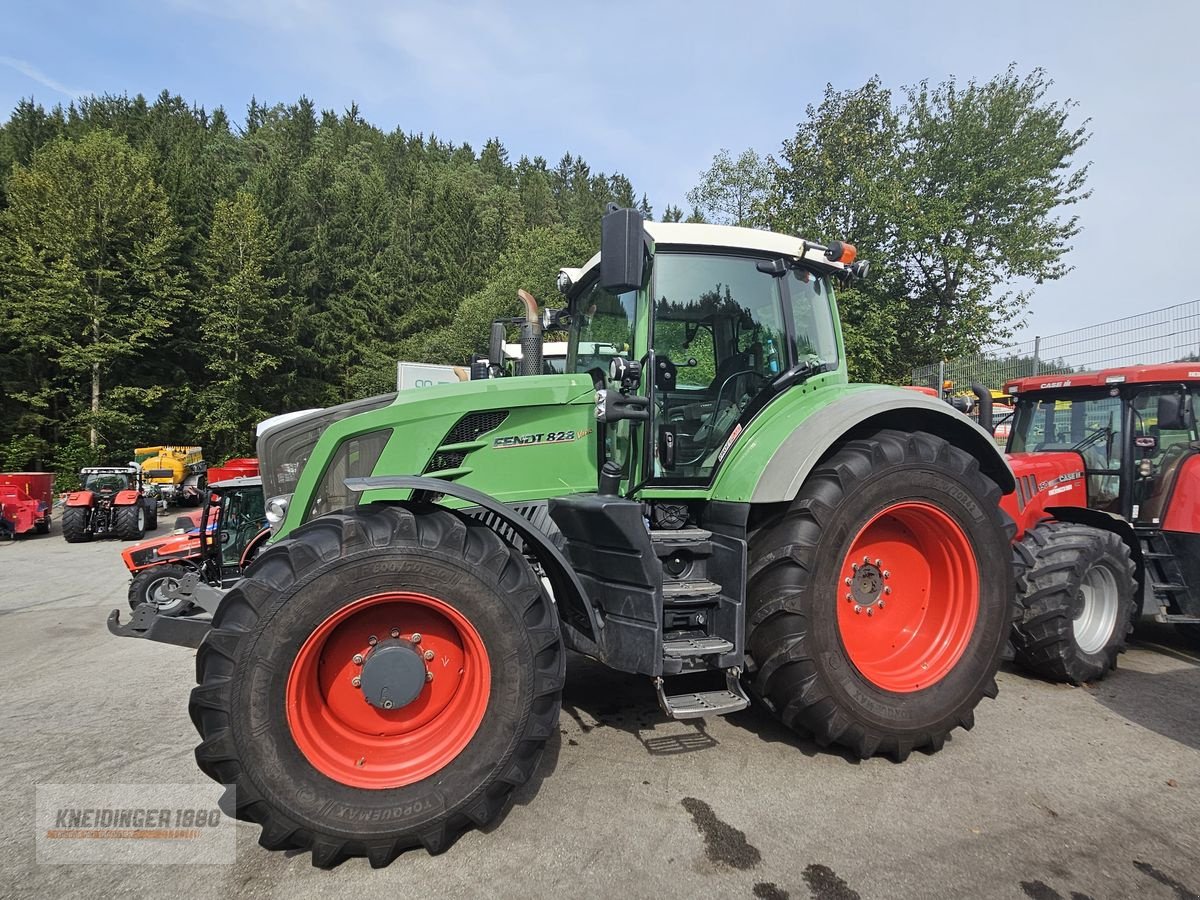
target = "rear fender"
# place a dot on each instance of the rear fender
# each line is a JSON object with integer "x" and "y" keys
{"x": 81, "y": 498}
{"x": 769, "y": 463}
{"x": 580, "y": 622}
{"x": 126, "y": 498}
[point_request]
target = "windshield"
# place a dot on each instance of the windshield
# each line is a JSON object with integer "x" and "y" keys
{"x": 105, "y": 481}
{"x": 1087, "y": 422}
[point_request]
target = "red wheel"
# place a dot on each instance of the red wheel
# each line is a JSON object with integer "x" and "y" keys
{"x": 909, "y": 597}
{"x": 388, "y": 690}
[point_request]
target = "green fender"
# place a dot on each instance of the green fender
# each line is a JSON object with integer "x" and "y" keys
{"x": 771, "y": 459}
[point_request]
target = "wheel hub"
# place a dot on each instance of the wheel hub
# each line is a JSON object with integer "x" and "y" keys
{"x": 393, "y": 674}
{"x": 866, "y": 585}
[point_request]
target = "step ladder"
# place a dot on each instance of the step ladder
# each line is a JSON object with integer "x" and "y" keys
{"x": 698, "y": 704}
{"x": 1166, "y": 580}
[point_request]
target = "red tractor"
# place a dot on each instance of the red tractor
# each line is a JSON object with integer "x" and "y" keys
{"x": 110, "y": 502}
{"x": 26, "y": 502}
{"x": 228, "y": 532}
{"x": 1116, "y": 454}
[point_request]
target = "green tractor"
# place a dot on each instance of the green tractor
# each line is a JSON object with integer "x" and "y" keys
{"x": 701, "y": 498}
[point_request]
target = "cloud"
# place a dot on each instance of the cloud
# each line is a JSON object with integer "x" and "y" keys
{"x": 40, "y": 77}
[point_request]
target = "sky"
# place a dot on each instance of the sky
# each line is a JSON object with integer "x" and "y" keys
{"x": 654, "y": 90}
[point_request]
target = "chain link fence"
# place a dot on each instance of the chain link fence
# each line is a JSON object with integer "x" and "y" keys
{"x": 1162, "y": 335}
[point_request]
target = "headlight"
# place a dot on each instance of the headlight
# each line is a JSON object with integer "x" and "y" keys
{"x": 276, "y": 510}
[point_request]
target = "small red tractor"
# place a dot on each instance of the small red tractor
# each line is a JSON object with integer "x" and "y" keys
{"x": 230, "y": 530}
{"x": 1132, "y": 435}
{"x": 110, "y": 502}
{"x": 26, "y": 502}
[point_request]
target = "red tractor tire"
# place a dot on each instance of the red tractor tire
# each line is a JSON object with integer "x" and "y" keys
{"x": 325, "y": 756}
{"x": 879, "y": 603}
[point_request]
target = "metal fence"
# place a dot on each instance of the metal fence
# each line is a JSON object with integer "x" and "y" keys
{"x": 1158, "y": 336}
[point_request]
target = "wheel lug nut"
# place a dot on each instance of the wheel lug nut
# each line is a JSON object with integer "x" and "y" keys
{"x": 887, "y": 590}
{"x": 849, "y": 581}
{"x": 854, "y": 567}
{"x": 416, "y": 638}
{"x": 429, "y": 676}
{"x": 372, "y": 641}
{"x": 356, "y": 681}
{"x": 429, "y": 654}
{"x": 850, "y": 597}
{"x": 870, "y": 612}
{"x": 358, "y": 659}
{"x": 878, "y": 563}
{"x": 395, "y": 632}
{"x": 866, "y": 560}
{"x": 880, "y": 604}
{"x": 857, "y": 609}
{"x": 887, "y": 574}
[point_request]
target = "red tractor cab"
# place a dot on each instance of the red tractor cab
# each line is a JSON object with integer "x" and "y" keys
{"x": 26, "y": 501}
{"x": 1131, "y": 434}
{"x": 229, "y": 531}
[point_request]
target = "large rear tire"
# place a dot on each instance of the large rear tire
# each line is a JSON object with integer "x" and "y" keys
{"x": 880, "y": 602}
{"x": 291, "y": 712}
{"x": 1075, "y": 585}
{"x": 151, "y": 516}
{"x": 129, "y": 522}
{"x": 148, "y": 586}
{"x": 74, "y": 525}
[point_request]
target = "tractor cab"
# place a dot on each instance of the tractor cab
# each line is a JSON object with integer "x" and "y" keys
{"x": 724, "y": 319}
{"x": 107, "y": 481}
{"x": 1134, "y": 431}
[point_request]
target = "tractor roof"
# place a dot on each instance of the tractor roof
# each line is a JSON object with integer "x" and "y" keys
{"x": 725, "y": 237}
{"x": 240, "y": 481}
{"x": 108, "y": 470}
{"x": 1164, "y": 372}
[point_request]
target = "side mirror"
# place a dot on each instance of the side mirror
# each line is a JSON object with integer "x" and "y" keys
{"x": 622, "y": 243}
{"x": 496, "y": 345}
{"x": 1174, "y": 412}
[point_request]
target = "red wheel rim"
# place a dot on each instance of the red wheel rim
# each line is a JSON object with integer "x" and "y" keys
{"x": 908, "y": 597}
{"x": 355, "y": 743}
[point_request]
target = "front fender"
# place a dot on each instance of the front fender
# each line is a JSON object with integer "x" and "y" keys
{"x": 576, "y": 613}
{"x": 779, "y": 449}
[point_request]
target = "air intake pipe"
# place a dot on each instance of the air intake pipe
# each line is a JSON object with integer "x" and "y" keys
{"x": 531, "y": 335}
{"x": 985, "y": 405}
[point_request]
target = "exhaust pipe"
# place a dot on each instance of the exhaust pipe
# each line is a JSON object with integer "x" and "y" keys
{"x": 985, "y": 405}
{"x": 531, "y": 335}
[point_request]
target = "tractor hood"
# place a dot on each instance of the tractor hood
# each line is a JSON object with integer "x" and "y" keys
{"x": 513, "y": 438}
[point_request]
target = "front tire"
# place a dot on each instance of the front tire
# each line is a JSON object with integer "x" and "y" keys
{"x": 148, "y": 586}
{"x": 880, "y": 602}
{"x": 1076, "y": 589}
{"x": 290, "y": 713}
{"x": 74, "y": 525}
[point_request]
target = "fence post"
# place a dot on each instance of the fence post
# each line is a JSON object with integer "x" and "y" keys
{"x": 941, "y": 376}
{"x": 1037, "y": 353}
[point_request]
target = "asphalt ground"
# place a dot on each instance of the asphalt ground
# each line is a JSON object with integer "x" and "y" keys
{"x": 1058, "y": 792}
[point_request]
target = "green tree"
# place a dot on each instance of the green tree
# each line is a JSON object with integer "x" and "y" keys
{"x": 730, "y": 190}
{"x": 246, "y": 332}
{"x": 955, "y": 193}
{"x": 87, "y": 255}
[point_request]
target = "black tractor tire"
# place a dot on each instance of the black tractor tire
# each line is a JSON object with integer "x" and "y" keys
{"x": 1076, "y": 587}
{"x": 42, "y": 527}
{"x": 800, "y": 663}
{"x": 265, "y": 628}
{"x": 129, "y": 522}
{"x": 75, "y": 525}
{"x": 151, "y": 516}
{"x": 1189, "y": 631}
{"x": 147, "y": 587}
